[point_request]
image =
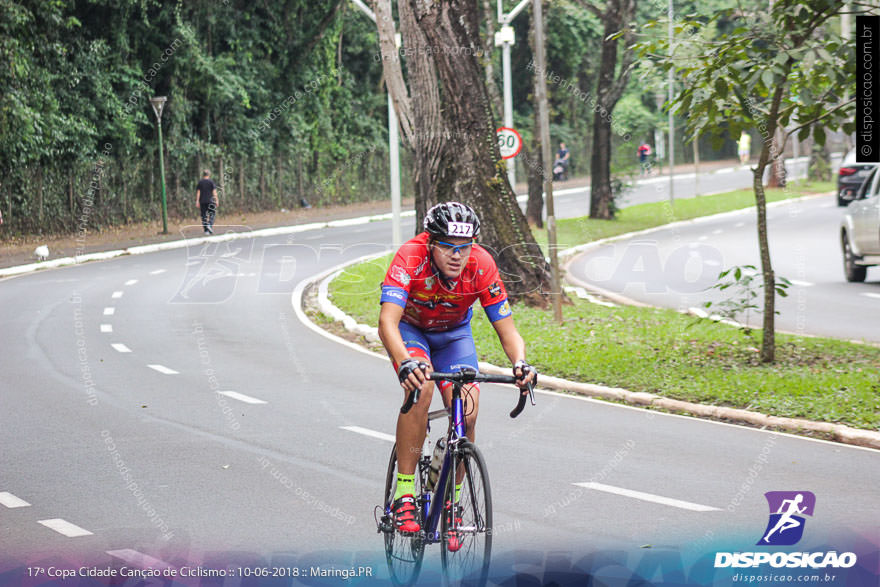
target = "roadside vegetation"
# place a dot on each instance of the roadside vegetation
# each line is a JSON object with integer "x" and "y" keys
{"x": 667, "y": 353}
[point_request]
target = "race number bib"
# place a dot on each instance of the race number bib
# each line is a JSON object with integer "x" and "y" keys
{"x": 464, "y": 229}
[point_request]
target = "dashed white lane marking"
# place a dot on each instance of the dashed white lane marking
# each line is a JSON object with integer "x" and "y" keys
{"x": 131, "y": 282}
{"x": 717, "y": 231}
{"x": 106, "y": 328}
{"x": 685, "y": 505}
{"x": 116, "y": 295}
{"x": 157, "y": 271}
{"x": 703, "y": 238}
{"x": 120, "y": 348}
{"x": 64, "y": 527}
{"x": 12, "y": 501}
{"x": 109, "y": 311}
{"x": 368, "y": 432}
{"x": 242, "y": 397}
{"x": 162, "y": 369}
{"x": 711, "y": 262}
{"x": 871, "y": 295}
{"x": 728, "y": 170}
{"x": 739, "y": 224}
{"x": 138, "y": 559}
{"x": 800, "y": 283}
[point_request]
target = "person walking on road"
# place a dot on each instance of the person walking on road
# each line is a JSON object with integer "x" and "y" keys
{"x": 207, "y": 201}
{"x": 644, "y": 152}
{"x": 745, "y": 147}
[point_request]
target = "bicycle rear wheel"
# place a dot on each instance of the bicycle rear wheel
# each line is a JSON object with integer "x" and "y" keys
{"x": 403, "y": 553}
{"x": 471, "y": 523}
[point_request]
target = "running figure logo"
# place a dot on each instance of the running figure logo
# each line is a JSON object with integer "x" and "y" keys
{"x": 787, "y": 508}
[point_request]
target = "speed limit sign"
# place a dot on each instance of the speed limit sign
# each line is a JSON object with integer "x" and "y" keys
{"x": 509, "y": 142}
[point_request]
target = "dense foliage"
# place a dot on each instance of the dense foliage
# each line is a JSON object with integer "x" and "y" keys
{"x": 271, "y": 96}
{"x": 280, "y": 99}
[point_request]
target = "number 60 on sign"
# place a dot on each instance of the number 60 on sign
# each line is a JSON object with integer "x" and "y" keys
{"x": 509, "y": 142}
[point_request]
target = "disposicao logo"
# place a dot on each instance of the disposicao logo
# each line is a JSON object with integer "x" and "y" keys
{"x": 786, "y": 525}
{"x": 785, "y": 528}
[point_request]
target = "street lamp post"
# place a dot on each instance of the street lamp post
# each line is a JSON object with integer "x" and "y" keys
{"x": 158, "y": 104}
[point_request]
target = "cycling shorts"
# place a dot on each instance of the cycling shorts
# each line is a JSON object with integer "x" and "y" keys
{"x": 448, "y": 351}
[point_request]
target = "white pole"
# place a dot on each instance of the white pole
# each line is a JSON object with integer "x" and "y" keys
{"x": 508, "y": 107}
{"x": 671, "y": 121}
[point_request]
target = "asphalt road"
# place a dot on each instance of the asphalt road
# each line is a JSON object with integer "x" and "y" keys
{"x": 676, "y": 267}
{"x": 173, "y": 407}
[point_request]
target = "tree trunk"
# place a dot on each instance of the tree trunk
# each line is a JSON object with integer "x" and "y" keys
{"x": 472, "y": 172}
{"x": 609, "y": 89}
{"x": 768, "y": 343}
{"x": 777, "y": 167}
{"x": 601, "y": 194}
{"x": 534, "y": 165}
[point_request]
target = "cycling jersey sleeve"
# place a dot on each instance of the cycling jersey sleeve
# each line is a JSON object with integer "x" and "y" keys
{"x": 396, "y": 286}
{"x": 493, "y": 295}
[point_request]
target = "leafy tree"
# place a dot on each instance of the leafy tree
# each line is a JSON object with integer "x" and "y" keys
{"x": 612, "y": 78}
{"x": 772, "y": 67}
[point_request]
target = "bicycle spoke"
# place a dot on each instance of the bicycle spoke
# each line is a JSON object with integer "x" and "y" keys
{"x": 466, "y": 562}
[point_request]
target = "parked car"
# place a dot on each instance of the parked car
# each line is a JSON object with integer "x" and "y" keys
{"x": 860, "y": 230}
{"x": 851, "y": 177}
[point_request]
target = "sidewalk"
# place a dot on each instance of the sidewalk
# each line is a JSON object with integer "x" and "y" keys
{"x": 21, "y": 251}
{"x": 706, "y": 168}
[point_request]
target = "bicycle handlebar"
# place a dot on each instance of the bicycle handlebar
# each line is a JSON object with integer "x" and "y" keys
{"x": 474, "y": 377}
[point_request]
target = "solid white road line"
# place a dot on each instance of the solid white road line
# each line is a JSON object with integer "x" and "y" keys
{"x": 157, "y": 271}
{"x": 120, "y": 348}
{"x": 106, "y": 328}
{"x": 12, "y": 501}
{"x": 800, "y": 283}
{"x": 685, "y": 505}
{"x": 368, "y": 432}
{"x": 116, "y": 295}
{"x": 138, "y": 559}
{"x": 64, "y": 527}
{"x": 242, "y": 397}
{"x": 131, "y": 282}
{"x": 164, "y": 370}
{"x": 109, "y": 311}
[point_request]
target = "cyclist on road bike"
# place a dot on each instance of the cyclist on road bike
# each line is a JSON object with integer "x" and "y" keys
{"x": 424, "y": 324}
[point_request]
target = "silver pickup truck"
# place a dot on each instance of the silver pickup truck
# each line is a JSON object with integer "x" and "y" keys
{"x": 860, "y": 230}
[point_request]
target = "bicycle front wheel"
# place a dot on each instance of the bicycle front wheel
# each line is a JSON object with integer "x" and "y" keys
{"x": 467, "y": 521}
{"x": 403, "y": 553}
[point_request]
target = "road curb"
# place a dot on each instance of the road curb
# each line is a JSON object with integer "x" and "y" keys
{"x": 187, "y": 242}
{"x": 838, "y": 432}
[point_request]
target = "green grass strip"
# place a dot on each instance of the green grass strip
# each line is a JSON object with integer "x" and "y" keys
{"x": 663, "y": 352}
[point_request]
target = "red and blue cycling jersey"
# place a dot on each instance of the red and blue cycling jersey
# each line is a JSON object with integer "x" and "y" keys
{"x": 434, "y": 304}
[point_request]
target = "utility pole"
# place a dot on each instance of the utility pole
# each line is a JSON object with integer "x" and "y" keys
{"x": 544, "y": 124}
{"x": 505, "y": 38}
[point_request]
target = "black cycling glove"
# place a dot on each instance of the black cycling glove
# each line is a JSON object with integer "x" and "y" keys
{"x": 407, "y": 367}
{"x": 526, "y": 369}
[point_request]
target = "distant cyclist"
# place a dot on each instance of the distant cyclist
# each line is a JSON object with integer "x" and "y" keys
{"x": 424, "y": 323}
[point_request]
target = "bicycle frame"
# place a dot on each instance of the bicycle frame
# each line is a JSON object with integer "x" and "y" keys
{"x": 432, "y": 504}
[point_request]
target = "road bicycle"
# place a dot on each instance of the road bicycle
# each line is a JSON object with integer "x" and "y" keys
{"x": 468, "y": 520}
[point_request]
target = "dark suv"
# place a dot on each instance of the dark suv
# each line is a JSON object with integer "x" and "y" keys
{"x": 851, "y": 177}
